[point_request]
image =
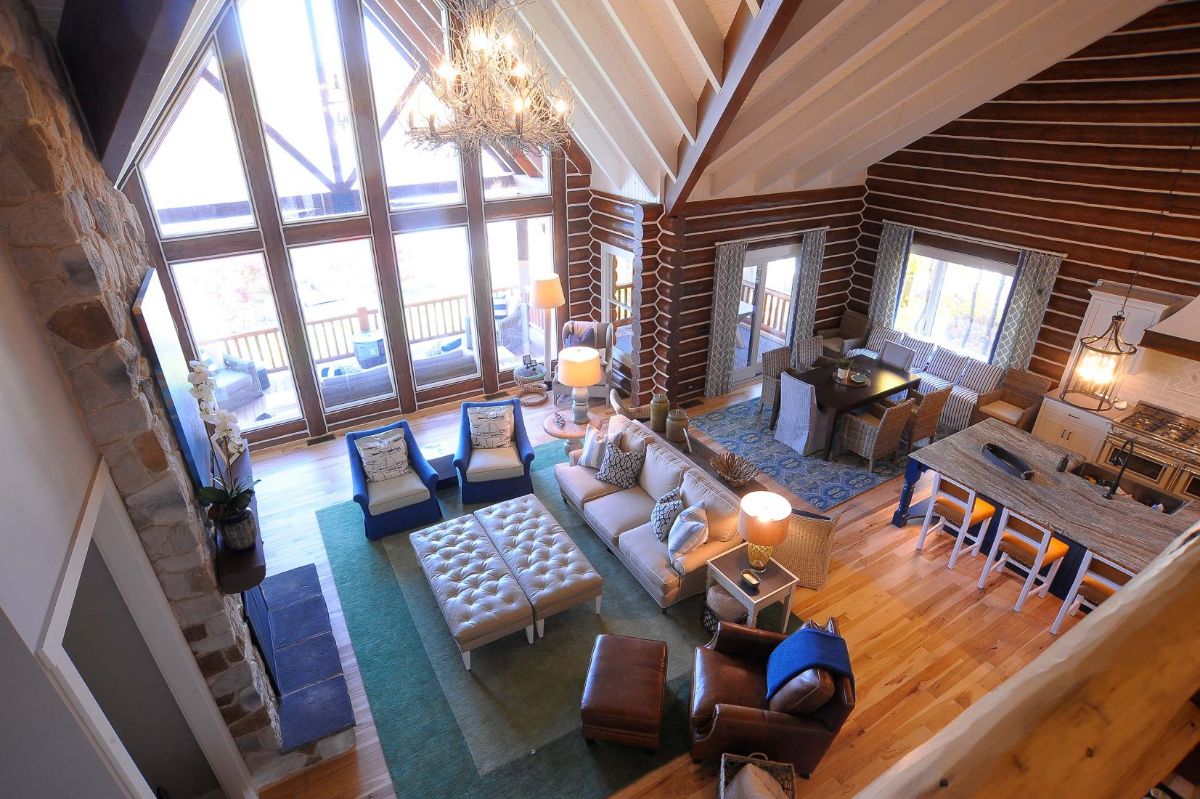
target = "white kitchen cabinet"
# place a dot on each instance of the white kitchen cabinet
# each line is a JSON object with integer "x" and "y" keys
{"x": 1071, "y": 428}
{"x": 1143, "y": 309}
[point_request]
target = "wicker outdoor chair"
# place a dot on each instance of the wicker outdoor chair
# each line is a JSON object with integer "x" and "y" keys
{"x": 639, "y": 412}
{"x": 1015, "y": 402}
{"x": 774, "y": 362}
{"x": 874, "y": 437}
{"x": 808, "y": 548}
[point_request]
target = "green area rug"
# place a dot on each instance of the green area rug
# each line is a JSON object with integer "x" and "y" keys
{"x": 510, "y": 726}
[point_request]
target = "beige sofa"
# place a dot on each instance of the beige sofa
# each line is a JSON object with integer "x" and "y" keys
{"x": 621, "y": 518}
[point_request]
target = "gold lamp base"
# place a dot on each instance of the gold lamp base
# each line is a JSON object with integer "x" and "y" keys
{"x": 759, "y": 556}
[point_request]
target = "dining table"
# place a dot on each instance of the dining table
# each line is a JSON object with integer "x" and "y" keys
{"x": 1075, "y": 510}
{"x": 836, "y": 398}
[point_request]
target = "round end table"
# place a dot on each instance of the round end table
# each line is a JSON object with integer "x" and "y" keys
{"x": 531, "y": 385}
{"x": 570, "y": 433}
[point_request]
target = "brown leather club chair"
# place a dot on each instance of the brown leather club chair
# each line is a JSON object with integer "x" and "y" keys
{"x": 729, "y": 709}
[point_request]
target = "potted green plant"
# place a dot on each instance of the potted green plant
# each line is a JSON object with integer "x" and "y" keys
{"x": 229, "y": 508}
{"x": 843, "y": 368}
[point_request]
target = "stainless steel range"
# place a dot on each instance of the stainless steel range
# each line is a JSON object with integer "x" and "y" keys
{"x": 1166, "y": 449}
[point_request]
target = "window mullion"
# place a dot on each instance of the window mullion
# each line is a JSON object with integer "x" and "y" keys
{"x": 232, "y": 53}
{"x": 370, "y": 154}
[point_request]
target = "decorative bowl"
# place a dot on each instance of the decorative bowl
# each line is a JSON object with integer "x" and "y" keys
{"x": 734, "y": 469}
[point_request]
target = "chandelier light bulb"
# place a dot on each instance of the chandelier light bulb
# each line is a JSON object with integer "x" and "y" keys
{"x": 447, "y": 71}
{"x": 480, "y": 40}
{"x": 560, "y": 106}
{"x": 518, "y": 104}
{"x": 520, "y": 70}
{"x": 509, "y": 42}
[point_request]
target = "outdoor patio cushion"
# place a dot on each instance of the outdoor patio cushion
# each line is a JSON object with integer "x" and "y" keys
{"x": 661, "y": 471}
{"x": 721, "y": 512}
{"x": 498, "y": 463}
{"x": 624, "y": 510}
{"x": 579, "y": 483}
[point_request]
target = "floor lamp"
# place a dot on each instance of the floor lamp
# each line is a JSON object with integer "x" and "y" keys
{"x": 546, "y": 295}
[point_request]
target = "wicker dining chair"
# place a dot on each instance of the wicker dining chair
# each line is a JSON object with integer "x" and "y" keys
{"x": 774, "y": 362}
{"x": 874, "y": 437}
{"x": 1015, "y": 402}
{"x": 808, "y": 548}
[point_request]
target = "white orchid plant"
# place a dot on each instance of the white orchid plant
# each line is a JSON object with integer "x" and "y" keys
{"x": 227, "y": 434}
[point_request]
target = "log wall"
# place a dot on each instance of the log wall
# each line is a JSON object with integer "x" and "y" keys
{"x": 1079, "y": 159}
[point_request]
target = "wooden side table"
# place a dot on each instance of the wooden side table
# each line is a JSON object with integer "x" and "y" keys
{"x": 571, "y": 434}
{"x": 778, "y": 584}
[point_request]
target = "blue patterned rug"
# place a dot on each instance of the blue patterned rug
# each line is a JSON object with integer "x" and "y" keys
{"x": 823, "y": 484}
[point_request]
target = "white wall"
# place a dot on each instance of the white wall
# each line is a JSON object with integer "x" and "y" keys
{"x": 45, "y": 467}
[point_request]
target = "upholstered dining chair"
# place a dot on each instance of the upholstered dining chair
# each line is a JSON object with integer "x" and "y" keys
{"x": 897, "y": 356}
{"x": 774, "y": 362}
{"x": 873, "y": 437}
{"x": 491, "y": 475}
{"x": 401, "y": 503}
{"x": 802, "y": 425}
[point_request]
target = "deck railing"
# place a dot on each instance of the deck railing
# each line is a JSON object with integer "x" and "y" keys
{"x": 776, "y": 311}
{"x": 331, "y": 339}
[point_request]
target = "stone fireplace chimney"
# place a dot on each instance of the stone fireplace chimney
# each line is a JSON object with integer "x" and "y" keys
{"x": 80, "y": 254}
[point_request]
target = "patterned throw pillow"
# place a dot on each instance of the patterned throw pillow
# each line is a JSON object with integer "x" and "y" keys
{"x": 384, "y": 455}
{"x": 491, "y": 427}
{"x": 689, "y": 531}
{"x": 880, "y": 335}
{"x": 981, "y": 377}
{"x": 665, "y": 511}
{"x": 592, "y": 454}
{"x": 620, "y": 468}
{"x": 585, "y": 339}
{"x": 946, "y": 364}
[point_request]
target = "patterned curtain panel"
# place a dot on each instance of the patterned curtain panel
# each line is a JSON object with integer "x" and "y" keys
{"x": 1036, "y": 272}
{"x": 727, "y": 286}
{"x": 804, "y": 289}
{"x": 889, "y": 266}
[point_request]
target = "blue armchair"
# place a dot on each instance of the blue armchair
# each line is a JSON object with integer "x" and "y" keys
{"x": 390, "y": 506}
{"x": 491, "y": 475}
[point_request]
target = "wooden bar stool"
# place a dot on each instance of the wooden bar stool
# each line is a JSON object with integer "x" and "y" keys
{"x": 958, "y": 510}
{"x": 1097, "y": 579}
{"x": 1028, "y": 546}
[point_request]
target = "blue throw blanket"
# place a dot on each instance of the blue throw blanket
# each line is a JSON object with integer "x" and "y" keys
{"x": 807, "y": 648}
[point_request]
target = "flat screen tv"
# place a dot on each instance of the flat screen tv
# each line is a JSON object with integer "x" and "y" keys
{"x": 160, "y": 338}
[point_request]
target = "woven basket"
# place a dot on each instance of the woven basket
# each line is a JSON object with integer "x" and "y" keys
{"x": 807, "y": 549}
{"x": 783, "y": 773}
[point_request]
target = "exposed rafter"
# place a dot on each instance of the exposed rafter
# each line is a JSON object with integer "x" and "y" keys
{"x": 634, "y": 26}
{"x": 750, "y": 45}
{"x": 702, "y": 35}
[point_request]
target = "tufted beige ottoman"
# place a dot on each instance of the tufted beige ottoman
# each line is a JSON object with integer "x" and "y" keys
{"x": 479, "y": 597}
{"x": 550, "y": 568}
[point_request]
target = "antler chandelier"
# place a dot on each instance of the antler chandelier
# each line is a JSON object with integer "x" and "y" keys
{"x": 491, "y": 91}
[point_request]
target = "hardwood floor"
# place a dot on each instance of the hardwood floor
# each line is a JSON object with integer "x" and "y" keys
{"x": 924, "y": 642}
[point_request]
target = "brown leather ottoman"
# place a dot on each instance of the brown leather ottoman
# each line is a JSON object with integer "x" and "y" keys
{"x": 623, "y": 696}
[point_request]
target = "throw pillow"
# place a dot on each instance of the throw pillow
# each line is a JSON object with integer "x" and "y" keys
{"x": 491, "y": 426}
{"x": 689, "y": 531}
{"x": 620, "y": 468}
{"x": 585, "y": 339}
{"x": 592, "y": 454}
{"x": 754, "y": 783}
{"x": 981, "y": 377}
{"x": 384, "y": 455}
{"x": 668, "y": 507}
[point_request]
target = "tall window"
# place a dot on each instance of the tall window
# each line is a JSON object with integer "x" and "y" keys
{"x": 518, "y": 250}
{"x": 231, "y": 312}
{"x": 295, "y": 58}
{"x": 343, "y": 321}
{"x": 953, "y": 299}
{"x": 514, "y": 174}
{"x": 194, "y": 175}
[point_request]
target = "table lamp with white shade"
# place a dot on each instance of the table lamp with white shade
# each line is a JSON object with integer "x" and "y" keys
{"x": 546, "y": 294}
{"x": 763, "y": 522}
{"x": 580, "y": 369}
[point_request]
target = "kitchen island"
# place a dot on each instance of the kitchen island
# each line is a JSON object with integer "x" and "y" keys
{"x": 1119, "y": 529}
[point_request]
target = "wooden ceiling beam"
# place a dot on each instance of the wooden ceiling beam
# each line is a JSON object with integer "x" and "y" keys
{"x": 748, "y": 50}
{"x": 702, "y": 35}
{"x": 631, "y": 22}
